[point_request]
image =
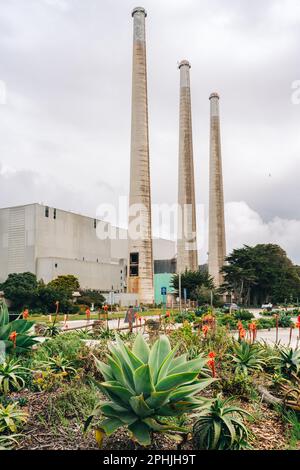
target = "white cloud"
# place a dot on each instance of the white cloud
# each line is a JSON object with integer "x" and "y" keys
{"x": 244, "y": 226}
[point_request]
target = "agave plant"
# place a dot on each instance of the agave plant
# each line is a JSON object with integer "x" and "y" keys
{"x": 246, "y": 357}
{"x": 11, "y": 418}
{"x": 58, "y": 365}
{"x": 22, "y": 341}
{"x": 219, "y": 427}
{"x": 147, "y": 388}
{"x": 288, "y": 361}
{"x": 11, "y": 376}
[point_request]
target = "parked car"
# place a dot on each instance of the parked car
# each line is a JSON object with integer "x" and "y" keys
{"x": 268, "y": 307}
{"x": 230, "y": 307}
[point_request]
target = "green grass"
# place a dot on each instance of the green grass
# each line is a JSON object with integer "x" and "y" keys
{"x": 94, "y": 316}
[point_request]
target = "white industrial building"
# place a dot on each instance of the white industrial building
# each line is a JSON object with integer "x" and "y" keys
{"x": 50, "y": 242}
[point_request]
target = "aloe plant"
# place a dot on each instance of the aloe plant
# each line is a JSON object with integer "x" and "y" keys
{"x": 11, "y": 418}
{"x": 288, "y": 361}
{"x": 219, "y": 427}
{"x": 147, "y": 387}
{"x": 246, "y": 357}
{"x": 11, "y": 376}
{"x": 58, "y": 365}
{"x": 23, "y": 341}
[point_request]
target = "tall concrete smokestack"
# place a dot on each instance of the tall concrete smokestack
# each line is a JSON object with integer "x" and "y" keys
{"x": 140, "y": 263}
{"x": 217, "y": 239}
{"x": 187, "y": 256}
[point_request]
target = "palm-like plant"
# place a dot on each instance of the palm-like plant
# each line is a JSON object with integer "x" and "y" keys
{"x": 288, "y": 361}
{"x": 58, "y": 365}
{"x": 219, "y": 427}
{"x": 23, "y": 341}
{"x": 246, "y": 357}
{"x": 11, "y": 376}
{"x": 11, "y": 418}
{"x": 146, "y": 387}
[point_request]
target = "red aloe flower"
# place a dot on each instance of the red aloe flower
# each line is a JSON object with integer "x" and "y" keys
{"x": 13, "y": 338}
{"x": 205, "y": 330}
{"x": 212, "y": 363}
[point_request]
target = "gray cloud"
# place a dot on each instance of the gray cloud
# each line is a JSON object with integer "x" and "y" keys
{"x": 67, "y": 68}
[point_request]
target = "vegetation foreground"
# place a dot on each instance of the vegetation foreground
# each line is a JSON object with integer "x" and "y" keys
{"x": 184, "y": 388}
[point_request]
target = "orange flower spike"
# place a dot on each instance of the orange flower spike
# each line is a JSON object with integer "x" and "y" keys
{"x": 25, "y": 314}
{"x": 205, "y": 330}
{"x": 211, "y": 363}
{"x": 242, "y": 333}
{"x": 13, "y": 338}
{"x": 168, "y": 314}
{"x": 240, "y": 325}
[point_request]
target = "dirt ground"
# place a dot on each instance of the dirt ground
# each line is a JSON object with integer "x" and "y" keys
{"x": 268, "y": 432}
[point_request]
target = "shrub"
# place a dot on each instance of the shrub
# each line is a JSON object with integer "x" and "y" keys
{"x": 144, "y": 386}
{"x": 185, "y": 316}
{"x": 186, "y": 340}
{"x": 47, "y": 381}
{"x": 243, "y": 315}
{"x": 219, "y": 427}
{"x": 238, "y": 385}
{"x": 265, "y": 323}
{"x": 73, "y": 402}
{"x": 11, "y": 376}
{"x": 228, "y": 320}
{"x": 67, "y": 344}
{"x": 284, "y": 321}
{"x": 246, "y": 357}
{"x": 58, "y": 365}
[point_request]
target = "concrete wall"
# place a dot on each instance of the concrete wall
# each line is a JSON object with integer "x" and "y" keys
{"x": 91, "y": 275}
{"x": 67, "y": 244}
{"x": 70, "y": 236}
{"x": 17, "y": 240}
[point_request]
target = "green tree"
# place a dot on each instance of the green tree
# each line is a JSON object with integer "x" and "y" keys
{"x": 259, "y": 274}
{"x": 21, "y": 289}
{"x": 197, "y": 283}
{"x": 48, "y": 296}
{"x": 89, "y": 297}
{"x": 67, "y": 283}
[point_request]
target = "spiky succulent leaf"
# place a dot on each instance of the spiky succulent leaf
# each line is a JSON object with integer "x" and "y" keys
{"x": 141, "y": 433}
{"x": 147, "y": 384}
{"x": 175, "y": 380}
{"x": 158, "y": 353}
{"x": 141, "y": 349}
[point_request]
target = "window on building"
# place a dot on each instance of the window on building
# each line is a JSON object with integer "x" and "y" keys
{"x": 134, "y": 265}
{"x": 56, "y": 265}
{"x": 54, "y": 214}
{"x": 95, "y": 223}
{"x": 46, "y": 211}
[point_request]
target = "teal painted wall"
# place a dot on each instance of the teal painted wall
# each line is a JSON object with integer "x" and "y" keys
{"x": 162, "y": 280}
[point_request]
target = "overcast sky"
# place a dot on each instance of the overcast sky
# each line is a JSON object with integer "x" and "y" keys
{"x": 65, "y": 125}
